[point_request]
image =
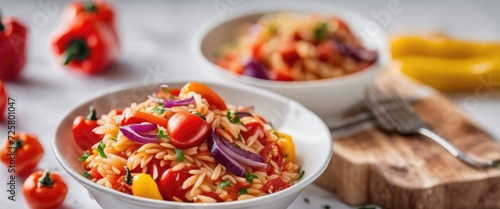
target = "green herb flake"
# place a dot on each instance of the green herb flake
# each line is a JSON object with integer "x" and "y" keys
{"x": 233, "y": 117}
{"x": 200, "y": 115}
{"x": 179, "y": 155}
{"x": 320, "y": 31}
{"x": 326, "y": 206}
{"x": 87, "y": 175}
{"x": 166, "y": 90}
{"x": 128, "y": 176}
{"x": 240, "y": 138}
{"x": 224, "y": 184}
{"x": 306, "y": 200}
{"x": 84, "y": 156}
{"x": 100, "y": 149}
{"x": 286, "y": 156}
{"x": 301, "y": 175}
{"x": 159, "y": 109}
{"x": 243, "y": 191}
{"x": 250, "y": 177}
{"x": 162, "y": 135}
{"x": 112, "y": 139}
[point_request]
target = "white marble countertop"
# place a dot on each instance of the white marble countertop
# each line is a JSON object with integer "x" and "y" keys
{"x": 156, "y": 42}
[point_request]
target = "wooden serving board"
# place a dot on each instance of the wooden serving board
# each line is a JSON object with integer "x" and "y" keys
{"x": 413, "y": 172}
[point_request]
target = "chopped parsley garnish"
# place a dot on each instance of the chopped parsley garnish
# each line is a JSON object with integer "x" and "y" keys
{"x": 286, "y": 156}
{"x": 128, "y": 176}
{"x": 306, "y": 200}
{"x": 159, "y": 109}
{"x": 179, "y": 155}
{"x": 100, "y": 149}
{"x": 200, "y": 115}
{"x": 274, "y": 131}
{"x": 166, "y": 90}
{"x": 233, "y": 117}
{"x": 162, "y": 135}
{"x": 320, "y": 31}
{"x": 84, "y": 156}
{"x": 250, "y": 177}
{"x": 301, "y": 175}
{"x": 243, "y": 191}
{"x": 224, "y": 184}
{"x": 240, "y": 138}
{"x": 87, "y": 175}
{"x": 112, "y": 138}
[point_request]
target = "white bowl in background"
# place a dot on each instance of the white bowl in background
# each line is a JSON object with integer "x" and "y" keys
{"x": 328, "y": 98}
{"x": 311, "y": 136}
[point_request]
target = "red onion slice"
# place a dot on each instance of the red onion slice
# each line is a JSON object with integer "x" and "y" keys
{"x": 215, "y": 147}
{"x": 241, "y": 155}
{"x": 244, "y": 114}
{"x": 141, "y": 138}
{"x": 173, "y": 103}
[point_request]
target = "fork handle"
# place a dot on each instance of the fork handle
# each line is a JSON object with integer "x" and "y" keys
{"x": 452, "y": 148}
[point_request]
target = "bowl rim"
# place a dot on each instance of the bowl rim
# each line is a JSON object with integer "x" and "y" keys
{"x": 299, "y": 186}
{"x": 208, "y": 26}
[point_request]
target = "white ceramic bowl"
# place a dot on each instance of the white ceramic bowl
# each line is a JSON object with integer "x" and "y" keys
{"x": 311, "y": 136}
{"x": 328, "y": 97}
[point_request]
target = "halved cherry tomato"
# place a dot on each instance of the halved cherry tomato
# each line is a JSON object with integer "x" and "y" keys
{"x": 82, "y": 130}
{"x": 213, "y": 195}
{"x": 94, "y": 173}
{"x": 287, "y": 147}
{"x": 187, "y": 130}
{"x": 206, "y": 92}
{"x": 254, "y": 128}
{"x": 288, "y": 51}
{"x": 274, "y": 185}
{"x": 24, "y": 150}
{"x": 44, "y": 189}
{"x": 175, "y": 91}
{"x": 118, "y": 183}
{"x": 272, "y": 151}
{"x": 140, "y": 117}
{"x": 171, "y": 184}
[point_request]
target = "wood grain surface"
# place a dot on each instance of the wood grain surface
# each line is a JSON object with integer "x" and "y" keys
{"x": 413, "y": 172}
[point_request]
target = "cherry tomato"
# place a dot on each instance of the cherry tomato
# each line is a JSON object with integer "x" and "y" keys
{"x": 118, "y": 183}
{"x": 21, "y": 153}
{"x": 44, "y": 189}
{"x": 3, "y": 101}
{"x": 206, "y": 92}
{"x": 171, "y": 184}
{"x": 213, "y": 195}
{"x": 288, "y": 51}
{"x": 276, "y": 184}
{"x": 175, "y": 91}
{"x": 153, "y": 165}
{"x": 187, "y": 130}
{"x": 118, "y": 111}
{"x": 94, "y": 173}
{"x": 254, "y": 128}
{"x": 272, "y": 151}
{"x": 82, "y": 130}
{"x": 140, "y": 117}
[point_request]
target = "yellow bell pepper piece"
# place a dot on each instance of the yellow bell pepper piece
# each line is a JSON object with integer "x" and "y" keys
{"x": 453, "y": 74}
{"x": 144, "y": 186}
{"x": 440, "y": 46}
{"x": 287, "y": 147}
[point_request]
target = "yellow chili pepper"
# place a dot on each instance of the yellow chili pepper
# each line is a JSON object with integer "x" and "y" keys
{"x": 453, "y": 74}
{"x": 440, "y": 46}
{"x": 144, "y": 186}
{"x": 287, "y": 147}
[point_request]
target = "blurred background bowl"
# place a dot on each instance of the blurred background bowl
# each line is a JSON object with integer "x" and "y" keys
{"x": 326, "y": 97}
{"x": 311, "y": 137}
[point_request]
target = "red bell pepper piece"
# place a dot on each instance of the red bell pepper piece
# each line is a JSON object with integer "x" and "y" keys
{"x": 103, "y": 12}
{"x": 12, "y": 48}
{"x": 86, "y": 44}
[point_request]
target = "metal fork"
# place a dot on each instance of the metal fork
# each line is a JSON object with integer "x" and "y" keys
{"x": 394, "y": 114}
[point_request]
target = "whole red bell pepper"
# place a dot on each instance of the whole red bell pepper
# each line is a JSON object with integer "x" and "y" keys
{"x": 86, "y": 44}
{"x": 103, "y": 11}
{"x": 12, "y": 48}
